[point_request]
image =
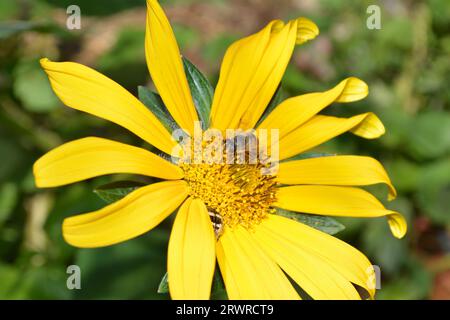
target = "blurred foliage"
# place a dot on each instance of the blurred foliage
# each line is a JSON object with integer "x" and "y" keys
{"x": 405, "y": 63}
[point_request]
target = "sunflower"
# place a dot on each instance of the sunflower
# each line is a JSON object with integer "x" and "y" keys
{"x": 260, "y": 253}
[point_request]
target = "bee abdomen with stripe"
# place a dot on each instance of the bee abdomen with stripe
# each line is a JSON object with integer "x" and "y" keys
{"x": 216, "y": 221}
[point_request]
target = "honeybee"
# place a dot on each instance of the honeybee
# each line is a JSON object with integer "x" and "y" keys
{"x": 216, "y": 221}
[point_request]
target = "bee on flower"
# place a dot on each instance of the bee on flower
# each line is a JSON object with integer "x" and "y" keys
{"x": 226, "y": 211}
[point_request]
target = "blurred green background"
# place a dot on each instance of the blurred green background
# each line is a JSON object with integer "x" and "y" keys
{"x": 406, "y": 65}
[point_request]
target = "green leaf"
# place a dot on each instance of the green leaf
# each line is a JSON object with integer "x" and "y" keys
{"x": 115, "y": 191}
{"x": 274, "y": 102}
{"x": 154, "y": 102}
{"x": 308, "y": 155}
{"x": 201, "y": 90}
{"x": 322, "y": 223}
{"x": 218, "y": 291}
{"x": 163, "y": 286}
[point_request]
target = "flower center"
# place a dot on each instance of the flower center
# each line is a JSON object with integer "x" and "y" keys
{"x": 235, "y": 194}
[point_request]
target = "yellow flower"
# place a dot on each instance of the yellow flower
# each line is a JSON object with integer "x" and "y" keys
{"x": 255, "y": 248}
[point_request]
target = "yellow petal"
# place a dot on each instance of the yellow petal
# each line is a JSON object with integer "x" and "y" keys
{"x": 251, "y": 71}
{"x": 306, "y": 30}
{"x": 335, "y": 170}
{"x": 293, "y": 112}
{"x": 135, "y": 214}
{"x": 85, "y": 89}
{"x": 166, "y": 68}
{"x": 282, "y": 233}
{"x": 312, "y": 272}
{"x": 191, "y": 257}
{"x": 338, "y": 201}
{"x": 247, "y": 271}
{"x": 320, "y": 129}
{"x": 92, "y": 157}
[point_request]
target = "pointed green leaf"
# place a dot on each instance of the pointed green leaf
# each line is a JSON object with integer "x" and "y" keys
{"x": 308, "y": 155}
{"x": 218, "y": 291}
{"x": 154, "y": 102}
{"x": 201, "y": 90}
{"x": 164, "y": 284}
{"x": 322, "y": 223}
{"x": 115, "y": 191}
{"x": 274, "y": 102}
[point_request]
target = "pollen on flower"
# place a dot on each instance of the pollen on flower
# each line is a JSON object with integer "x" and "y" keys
{"x": 240, "y": 193}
